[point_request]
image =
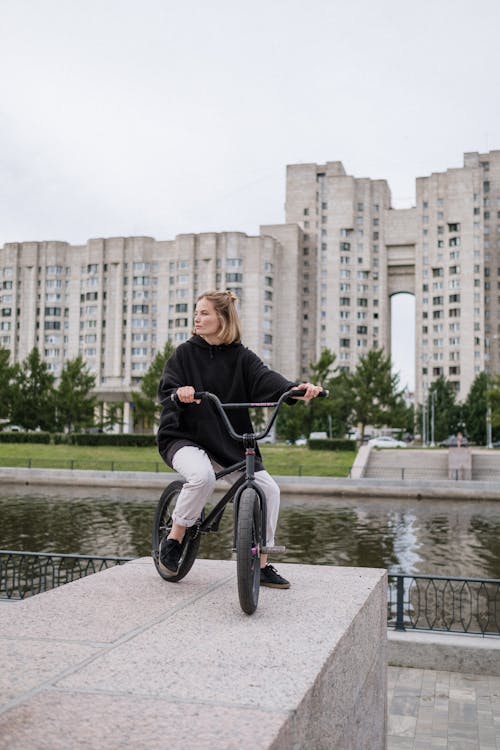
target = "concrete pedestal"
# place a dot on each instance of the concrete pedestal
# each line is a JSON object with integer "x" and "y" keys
{"x": 124, "y": 660}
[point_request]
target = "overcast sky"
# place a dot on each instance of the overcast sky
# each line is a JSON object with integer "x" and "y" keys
{"x": 155, "y": 117}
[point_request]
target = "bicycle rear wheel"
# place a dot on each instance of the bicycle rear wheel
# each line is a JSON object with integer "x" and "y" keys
{"x": 162, "y": 524}
{"x": 248, "y": 543}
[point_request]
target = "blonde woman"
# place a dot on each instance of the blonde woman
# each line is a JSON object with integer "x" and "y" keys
{"x": 191, "y": 439}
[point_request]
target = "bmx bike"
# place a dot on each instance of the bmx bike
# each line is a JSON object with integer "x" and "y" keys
{"x": 249, "y": 508}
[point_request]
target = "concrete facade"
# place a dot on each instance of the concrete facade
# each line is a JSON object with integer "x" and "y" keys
{"x": 445, "y": 251}
{"x": 117, "y": 301}
{"x": 122, "y": 659}
{"x": 323, "y": 279}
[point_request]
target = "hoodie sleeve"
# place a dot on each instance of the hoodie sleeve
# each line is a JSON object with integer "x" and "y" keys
{"x": 264, "y": 384}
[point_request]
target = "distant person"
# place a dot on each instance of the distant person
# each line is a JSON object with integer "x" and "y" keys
{"x": 191, "y": 439}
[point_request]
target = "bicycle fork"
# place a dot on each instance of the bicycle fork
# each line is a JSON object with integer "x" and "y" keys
{"x": 249, "y": 481}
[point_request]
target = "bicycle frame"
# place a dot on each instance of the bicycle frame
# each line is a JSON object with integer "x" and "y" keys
{"x": 247, "y": 479}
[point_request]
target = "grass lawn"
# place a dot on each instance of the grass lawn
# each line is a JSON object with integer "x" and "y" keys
{"x": 281, "y": 460}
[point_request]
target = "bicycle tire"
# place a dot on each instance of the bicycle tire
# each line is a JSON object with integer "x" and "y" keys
{"x": 162, "y": 524}
{"x": 248, "y": 543}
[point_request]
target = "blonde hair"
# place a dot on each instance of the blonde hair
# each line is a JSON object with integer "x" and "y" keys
{"x": 225, "y": 307}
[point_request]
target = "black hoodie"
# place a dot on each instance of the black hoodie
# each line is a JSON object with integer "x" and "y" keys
{"x": 234, "y": 374}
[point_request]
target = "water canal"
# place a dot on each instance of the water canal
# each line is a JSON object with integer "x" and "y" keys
{"x": 442, "y": 537}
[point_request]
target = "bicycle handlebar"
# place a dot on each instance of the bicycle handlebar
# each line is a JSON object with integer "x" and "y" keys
{"x": 276, "y": 405}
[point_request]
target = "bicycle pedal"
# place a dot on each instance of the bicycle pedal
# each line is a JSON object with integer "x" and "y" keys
{"x": 270, "y": 550}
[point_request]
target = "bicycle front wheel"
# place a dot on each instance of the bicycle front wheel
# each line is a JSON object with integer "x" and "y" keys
{"x": 162, "y": 524}
{"x": 248, "y": 543}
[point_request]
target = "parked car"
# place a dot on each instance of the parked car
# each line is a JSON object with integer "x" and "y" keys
{"x": 452, "y": 442}
{"x": 496, "y": 444}
{"x": 384, "y": 441}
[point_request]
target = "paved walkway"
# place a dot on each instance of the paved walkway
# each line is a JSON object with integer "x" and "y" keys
{"x": 430, "y": 710}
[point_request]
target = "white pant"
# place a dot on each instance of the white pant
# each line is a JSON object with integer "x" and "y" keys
{"x": 199, "y": 472}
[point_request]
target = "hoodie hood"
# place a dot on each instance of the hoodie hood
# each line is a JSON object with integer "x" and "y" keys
{"x": 211, "y": 348}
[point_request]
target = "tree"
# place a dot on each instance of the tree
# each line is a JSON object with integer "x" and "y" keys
{"x": 74, "y": 404}
{"x": 494, "y": 396}
{"x": 111, "y": 416}
{"x": 146, "y": 405}
{"x": 447, "y": 413}
{"x": 299, "y": 419}
{"x": 33, "y": 404}
{"x": 318, "y": 416}
{"x": 328, "y": 415}
{"x": 374, "y": 389}
{"x": 475, "y": 408}
{"x": 8, "y": 377}
{"x": 322, "y": 371}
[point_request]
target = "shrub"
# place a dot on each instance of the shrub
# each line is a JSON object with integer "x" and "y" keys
{"x": 24, "y": 437}
{"x": 103, "y": 438}
{"x": 332, "y": 444}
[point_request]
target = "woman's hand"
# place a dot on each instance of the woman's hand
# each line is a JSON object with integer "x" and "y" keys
{"x": 186, "y": 395}
{"x": 311, "y": 391}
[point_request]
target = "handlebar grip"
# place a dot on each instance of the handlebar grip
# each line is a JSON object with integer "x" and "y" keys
{"x": 197, "y": 395}
{"x": 300, "y": 392}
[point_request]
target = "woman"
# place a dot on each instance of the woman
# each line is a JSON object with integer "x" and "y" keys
{"x": 191, "y": 438}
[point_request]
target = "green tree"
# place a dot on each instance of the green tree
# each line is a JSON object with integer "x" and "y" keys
{"x": 111, "y": 414}
{"x": 339, "y": 404}
{"x": 495, "y": 405}
{"x": 375, "y": 395}
{"x": 146, "y": 407}
{"x": 8, "y": 383}
{"x": 328, "y": 415}
{"x": 74, "y": 404}
{"x": 319, "y": 411}
{"x": 475, "y": 408}
{"x": 323, "y": 370}
{"x": 33, "y": 404}
{"x": 402, "y": 416}
{"x": 447, "y": 413}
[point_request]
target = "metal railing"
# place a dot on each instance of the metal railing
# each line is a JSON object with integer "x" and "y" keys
{"x": 417, "y": 602}
{"x": 27, "y": 573}
{"x": 84, "y": 464}
{"x": 429, "y": 472}
{"x": 444, "y": 603}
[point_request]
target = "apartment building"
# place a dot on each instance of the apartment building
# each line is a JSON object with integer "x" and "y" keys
{"x": 361, "y": 251}
{"x": 325, "y": 278}
{"x": 117, "y": 301}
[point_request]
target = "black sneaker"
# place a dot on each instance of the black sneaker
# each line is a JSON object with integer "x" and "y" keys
{"x": 269, "y": 576}
{"x": 170, "y": 554}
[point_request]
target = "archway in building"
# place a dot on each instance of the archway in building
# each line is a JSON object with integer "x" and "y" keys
{"x": 403, "y": 338}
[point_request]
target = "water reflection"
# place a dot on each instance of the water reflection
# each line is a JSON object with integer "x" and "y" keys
{"x": 441, "y": 537}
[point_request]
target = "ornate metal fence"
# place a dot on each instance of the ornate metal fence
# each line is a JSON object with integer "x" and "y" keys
{"x": 444, "y": 603}
{"x": 28, "y": 573}
{"x": 420, "y": 602}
